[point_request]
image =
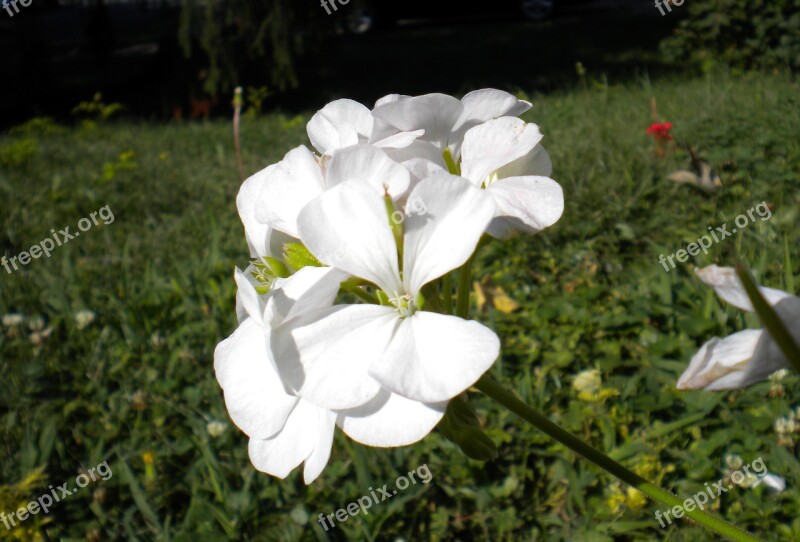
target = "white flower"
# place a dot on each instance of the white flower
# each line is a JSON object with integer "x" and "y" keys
{"x": 287, "y": 187}
{"x": 359, "y": 356}
{"x": 284, "y": 430}
{"x": 344, "y": 123}
{"x": 13, "y": 320}
{"x": 745, "y": 357}
{"x": 504, "y": 157}
{"x": 444, "y": 119}
{"x": 496, "y": 151}
{"x": 84, "y": 319}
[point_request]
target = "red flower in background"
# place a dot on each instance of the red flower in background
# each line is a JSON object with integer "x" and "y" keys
{"x": 661, "y": 131}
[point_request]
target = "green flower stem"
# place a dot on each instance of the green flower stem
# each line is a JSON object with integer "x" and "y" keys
{"x": 360, "y": 293}
{"x": 447, "y": 293}
{"x": 464, "y": 286}
{"x": 496, "y": 391}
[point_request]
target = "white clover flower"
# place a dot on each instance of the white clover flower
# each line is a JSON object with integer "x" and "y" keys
{"x": 13, "y": 319}
{"x": 745, "y": 357}
{"x": 785, "y": 425}
{"x": 84, "y": 318}
{"x": 216, "y": 428}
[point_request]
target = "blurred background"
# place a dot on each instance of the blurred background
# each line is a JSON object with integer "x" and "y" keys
{"x": 106, "y": 346}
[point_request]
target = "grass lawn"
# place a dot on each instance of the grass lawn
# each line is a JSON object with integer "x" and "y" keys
{"x": 136, "y": 387}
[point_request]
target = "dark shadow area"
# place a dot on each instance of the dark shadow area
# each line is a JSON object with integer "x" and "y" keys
{"x": 56, "y": 58}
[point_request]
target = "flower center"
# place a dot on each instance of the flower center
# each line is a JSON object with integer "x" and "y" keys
{"x": 404, "y": 304}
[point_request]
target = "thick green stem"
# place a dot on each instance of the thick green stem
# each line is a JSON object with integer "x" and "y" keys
{"x": 447, "y": 293}
{"x": 464, "y": 287}
{"x": 496, "y": 391}
{"x": 360, "y": 293}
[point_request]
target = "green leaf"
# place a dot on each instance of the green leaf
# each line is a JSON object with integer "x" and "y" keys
{"x": 298, "y": 256}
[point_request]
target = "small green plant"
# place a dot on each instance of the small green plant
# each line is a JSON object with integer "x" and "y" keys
{"x": 124, "y": 163}
{"x": 96, "y": 109}
{"x": 255, "y": 101}
{"x": 18, "y": 152}
{"x": 746, "y": 34}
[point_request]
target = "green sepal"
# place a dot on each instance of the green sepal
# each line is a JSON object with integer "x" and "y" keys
{"x": 298, "y": 256}
{"x": 383, "y": 298}
{"x": 277, "y": 267}
{"x": 460, "y": 426}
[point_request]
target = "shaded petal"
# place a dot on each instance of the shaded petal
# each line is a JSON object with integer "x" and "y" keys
{"x": 254, "y": 394}
{"x": 369, "y": 164}
{"x": 324, "y": 355}
{"x": 288, "y": 187}
{"x": 311, "y": 288}
{"x": 434, "y": 357}
{"x": 399, "y": 140}
{"x": 339, "y": 124}
{"x": 316, "y": 462}
{"x": 528, "y": 204}
{"x": 721, "y": 364}
{"x": 494, "y": 144}
{"x": 447, "y": 216}
{"x": 257, "y": 233}
{"x": 391, "y": 420}
{"x": 347, "y": 227}
{"x": 437, "y": 114}
{"x": 248, "y": 298}
{"x": 536, "y": 163}
{"x": 768, "y": 356}
{"x": 280, "y": 454}
{"x": 728, "y": 287}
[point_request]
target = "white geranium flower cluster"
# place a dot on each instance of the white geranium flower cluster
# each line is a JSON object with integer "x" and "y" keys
{"x": 303, "y": 360}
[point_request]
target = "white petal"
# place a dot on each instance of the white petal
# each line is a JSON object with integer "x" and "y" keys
{"x": 258, "y": 234}
{"x": 324, "y": 355}
{"x": 391, "y": 420}
{"x": 316, "y": 462}
{"x": 728, "y": 286}
{"x": 484, "y": 105}
{"x": 244, "y": 303}
{"x": 309, "y": 289}
{"x": 773, "y": 482}
{"x": 347, "y": 227}
{"x": 248, "y": 298}
{"x": 399, "y": 140}
{"x": 768, "y": 357}
{"x": 437, "y": 114}
{"x": 280, "y": 454}
{"x": 721, "y": 364}
{"x": 370, "y": 164}
{"x": 434, "y": 357}
{"x": 447, "y": 216}
{"x": 536, "y": 163}
{"x": 338, "y": 125}
{"x": 288, "y": 187}
{"x": 528, "y": 204}
{"x": 494, "y": 144}
{"x": 254, "y": 394}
